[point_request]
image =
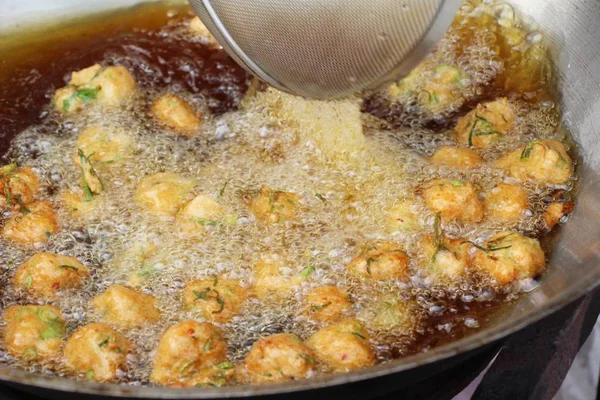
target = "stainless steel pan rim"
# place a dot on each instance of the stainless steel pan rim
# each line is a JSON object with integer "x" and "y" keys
{"x": 478, "y": 339}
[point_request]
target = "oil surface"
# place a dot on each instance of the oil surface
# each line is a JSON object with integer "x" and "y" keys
{"x": 247, "y": 142}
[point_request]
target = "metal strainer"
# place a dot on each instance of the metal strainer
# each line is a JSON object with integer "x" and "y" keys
{"x": 327, "y": 48}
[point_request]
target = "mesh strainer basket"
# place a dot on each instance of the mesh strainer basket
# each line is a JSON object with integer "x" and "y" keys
{"x": 327, "y": 48}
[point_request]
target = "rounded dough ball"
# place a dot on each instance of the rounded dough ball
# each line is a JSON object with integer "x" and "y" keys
{"x": 344, "y": 346}
{"x": 163, "y": 193}
{"x": 456, "y": 157}
{"x": 33, "y": 332}
{"x": 184, "y": 352}
{"x": 269, "y": 279}
{"x": 45, "y": 274}
{"x": 279, "y": 357}
{"x": 198, "y": 214}
{"x": 115, "y": 84}
{"x": 217, "y": 299}
{"x": 506, "y": 202}
{"x": 104, "y": 146}
{"x": 486, "y": 124}
{"x": 18, "y": 186}
{"x": 453, "y": 199}
{"x": 108, "y": 86}
{"x": 444, "y": 258}
{"x": 274, "y": 206}
{"x": 123, "y": 306}
{"x": 31, "y": 226}
{"x": 327, "y": 303}
{"x": 544, "y": 161}
{"x": 508, "y": 256}
{"x": 380, "y": 261}
{"x": 177, "y": 114}
{"x": 442, "y": 90}
{"x": 97, "y": 351}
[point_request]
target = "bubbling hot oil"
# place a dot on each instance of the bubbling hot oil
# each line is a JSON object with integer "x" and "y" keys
{"x": 237, "y": 152}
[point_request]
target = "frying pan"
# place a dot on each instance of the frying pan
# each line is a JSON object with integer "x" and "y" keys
{"x": 573, "y": 28}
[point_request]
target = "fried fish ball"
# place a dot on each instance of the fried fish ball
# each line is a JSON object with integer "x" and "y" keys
{"x": 327, "y": 303}
{"x": 90, "y": 180}
{"x": 486, "y": 124}
{"x": 33, "y": 226}
{"x": 33, "y": 332}
{"x": 453, "y": 199}
{"x": 545, "y": 161}
{"x": 108, "y": 86}
{"x": 195, "y": 216}
{"x": 197, "y": 27}
{"x": 344, "y": 346}
{"x": 442, "y": 90}
{"x": 279, "y": 357}
{"x": 274, "y": 206}
{"x": 456, "y": 157}
{"x": 98, "y": 352}
{"x": 506, "y": 202}
{"x": 445, "y": 258}
{"x": 104, "y": 146}
{"x": 163, "y": 193}
{"x": 18, "y": 186}
{"x": 380, "y": 261}
{"x": 185, "y": 350}
{"x": 115, "y": 85}
{"x": 402, "y": 216}
{"x": 123, "y": 306}
{"x": 177, "y": 114}
{"x": 45, "y": 274}
{"x": 508, "y": 256}
{"x": 217, "y": 299}
{"x": 269, "y": 278}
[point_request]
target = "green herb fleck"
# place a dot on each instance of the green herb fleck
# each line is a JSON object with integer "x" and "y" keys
{"x": 201, "y": 295}
{"x": 306, "y": 272}
{"x": 437, "y": 237}
{"x": 320, "y": 197}
{"x": 307, "y": 358}
{"x": 457, "y": 183}
{"x": 89, "y": 375}
{"x": 207, "y": 345}
{"x": 8, "y": 169}
{"x": 104, "y": 342}
{"x": 433, "y": 98}
{"x": 223, "y": 188}
{"x": 225, "y": 365}
{"x": 357, "y": 334}
{"x": 221, "y": 304}
{"x": 7, "y": 193}
{"x": 85, "y": 94}
{"x": 84, "y": 163}
{"x": 491, "y": 247}
{"x": 215, "y": 280}
{"x": 318, "y": 307}
{"x": 22, "y": 209}
{"x": 27, "y": 282}
{"x": 481, "y": 127}
{"x": 202, "y": 221}
{"x": 528, "y": 149}
{"x": 68, "y": 266}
